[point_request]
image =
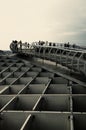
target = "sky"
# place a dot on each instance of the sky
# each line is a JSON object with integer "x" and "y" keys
{"x": 48, "y": 20}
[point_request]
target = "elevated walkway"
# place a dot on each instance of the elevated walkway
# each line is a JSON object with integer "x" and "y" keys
{"x": 73, "y": 58}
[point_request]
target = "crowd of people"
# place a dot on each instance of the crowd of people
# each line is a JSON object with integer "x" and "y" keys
{"x": 18, "y": 45}
{"x": 65, "y": 45}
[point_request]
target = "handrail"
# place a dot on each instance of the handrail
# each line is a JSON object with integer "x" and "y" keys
{"x": 47, "y": 52}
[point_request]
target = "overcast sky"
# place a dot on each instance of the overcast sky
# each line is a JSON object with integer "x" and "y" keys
{"x": 33, "y": 20}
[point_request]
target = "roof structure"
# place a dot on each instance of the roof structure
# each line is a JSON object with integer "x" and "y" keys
{"x": 35, "y": 97}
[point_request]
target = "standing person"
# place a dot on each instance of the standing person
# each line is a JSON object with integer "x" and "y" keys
{"x": 65, "y": 45}
{"x": 68, "y": 45}
{"x": 12, "y": 46}
{"x": 16, "y": 45}
{"x": 39, "y": 43}
{"x": 74, "y": 45}
{"x": 50, "y": 43}
{"x": 20, "y": 43}
{"x": 28, "y": 45}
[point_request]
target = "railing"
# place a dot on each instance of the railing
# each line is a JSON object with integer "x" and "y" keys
{"x": 73, "y": 58}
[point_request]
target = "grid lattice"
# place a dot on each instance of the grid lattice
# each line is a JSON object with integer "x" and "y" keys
{"x": 32, "y": 98}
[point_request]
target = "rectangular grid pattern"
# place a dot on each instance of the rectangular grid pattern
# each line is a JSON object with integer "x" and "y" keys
{"x": 32, "y": 98}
